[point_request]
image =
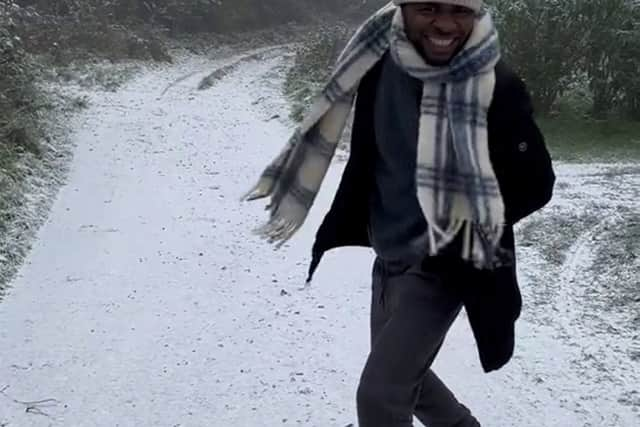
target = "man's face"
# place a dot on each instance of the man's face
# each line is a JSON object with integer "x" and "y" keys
{"x": 439, "y": 31}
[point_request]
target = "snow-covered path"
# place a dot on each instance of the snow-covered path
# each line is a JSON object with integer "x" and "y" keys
{"x": 147, "y": 301}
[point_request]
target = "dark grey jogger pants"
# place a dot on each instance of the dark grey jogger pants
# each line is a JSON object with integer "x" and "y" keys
{"x": 411, "y": 312}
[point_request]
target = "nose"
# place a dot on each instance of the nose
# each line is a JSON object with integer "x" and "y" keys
{"x": 445, "y": 23}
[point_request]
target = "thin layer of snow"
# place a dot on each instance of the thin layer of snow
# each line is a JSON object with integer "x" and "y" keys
{"x": 146, "y": 300}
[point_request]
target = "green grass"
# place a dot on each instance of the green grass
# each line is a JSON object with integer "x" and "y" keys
{"x": 11, "y": 199}
{"x": 574, "y": 139}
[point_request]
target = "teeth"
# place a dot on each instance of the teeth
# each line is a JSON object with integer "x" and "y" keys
{"x": 441, "y": 42}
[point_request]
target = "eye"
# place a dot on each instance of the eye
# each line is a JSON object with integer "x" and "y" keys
{"x": 463, "y": 12}
{"x": 428, "y": 9}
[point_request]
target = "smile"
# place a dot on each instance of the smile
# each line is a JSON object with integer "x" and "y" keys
{"x": 443, "y": 43}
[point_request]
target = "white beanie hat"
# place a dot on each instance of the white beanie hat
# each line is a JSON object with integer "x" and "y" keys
{"x": 474, "y": 5}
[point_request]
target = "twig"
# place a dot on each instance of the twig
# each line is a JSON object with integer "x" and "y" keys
{"x": 32, "y": 407}
{"x": 44, "y": 402}
{"x": 36, "y": 411}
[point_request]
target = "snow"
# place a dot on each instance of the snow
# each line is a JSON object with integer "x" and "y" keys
{"x": 147, "y": 301}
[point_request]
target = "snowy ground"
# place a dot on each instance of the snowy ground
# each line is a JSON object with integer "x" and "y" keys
{"x": 146, "y": 301}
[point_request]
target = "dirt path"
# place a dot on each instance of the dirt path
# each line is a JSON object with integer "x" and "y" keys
{"x": 147, "y": 301}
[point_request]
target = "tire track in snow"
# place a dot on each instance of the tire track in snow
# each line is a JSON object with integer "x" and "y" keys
{"x": 231, "y": 64}
{"x": 575, "y": 344}
{"x": 579, "y": 260}
{"x": 587, "y": 360}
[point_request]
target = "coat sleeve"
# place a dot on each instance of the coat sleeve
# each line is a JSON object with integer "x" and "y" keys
{"x": 527, "y": 170}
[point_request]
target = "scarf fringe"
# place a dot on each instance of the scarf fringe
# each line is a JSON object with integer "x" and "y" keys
{"x": 261, "y": 190}
{"x": 286, "y": 219}
{"x": 477, "y": 243}
{"x": 277, "y": 231}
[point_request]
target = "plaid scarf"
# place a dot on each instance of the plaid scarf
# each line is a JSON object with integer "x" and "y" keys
{"x": 456, "y": 185}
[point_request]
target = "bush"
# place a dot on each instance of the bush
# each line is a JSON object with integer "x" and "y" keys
{"x": 67, "y": 30}
{"x": 612, "y": 55}
{"x": 313, "y": 64}
{"x": 555, "y": 43}
{"x": 541, "y": 40}
{"x": 20, "y": 133}
{"x": 117, "y": 29}
{"x": 18, "y": 96}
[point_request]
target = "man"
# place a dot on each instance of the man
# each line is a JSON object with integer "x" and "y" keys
{"x": 445, "y": 159}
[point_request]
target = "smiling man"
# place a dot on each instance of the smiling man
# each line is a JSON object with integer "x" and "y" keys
{"x": 439, "y": 30}
{"x": 445, "y": 158}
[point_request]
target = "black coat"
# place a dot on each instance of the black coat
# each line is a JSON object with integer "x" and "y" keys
{"x": 524, "y": 171}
